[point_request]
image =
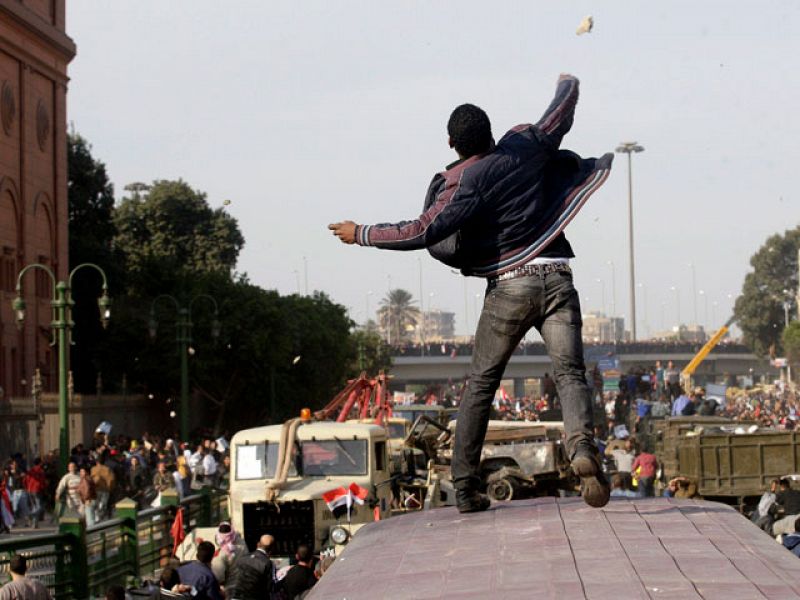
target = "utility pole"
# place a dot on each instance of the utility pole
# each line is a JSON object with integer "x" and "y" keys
{"x": 629, "y": 148}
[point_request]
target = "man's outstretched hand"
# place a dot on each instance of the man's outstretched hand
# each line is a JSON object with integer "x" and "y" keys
{"x": 345, "y": 231}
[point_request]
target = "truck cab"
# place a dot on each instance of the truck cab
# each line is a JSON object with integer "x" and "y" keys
{"x": 326, "y": 456}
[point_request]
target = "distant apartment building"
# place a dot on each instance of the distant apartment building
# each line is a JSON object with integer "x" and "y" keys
{"x": 683, "y": 333}
{"x": 437, "y": 325}
{"x": 598, "y": 328}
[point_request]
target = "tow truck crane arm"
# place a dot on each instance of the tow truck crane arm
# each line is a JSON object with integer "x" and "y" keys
{"x": 689, "y": 369}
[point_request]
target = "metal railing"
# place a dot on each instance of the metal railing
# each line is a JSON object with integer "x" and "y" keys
{"x": 49, "y": 560}
{"x": 82, "y": 562}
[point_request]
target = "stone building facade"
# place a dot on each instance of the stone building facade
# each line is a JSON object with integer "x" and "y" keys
{"x": 34, "y": 54}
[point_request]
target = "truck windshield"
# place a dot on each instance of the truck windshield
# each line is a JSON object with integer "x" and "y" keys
{"x": 334, "y": 457}
{"x": 258, "y": 461}
{"x": 397, "y": 430}
{"x": 318, "y": 457}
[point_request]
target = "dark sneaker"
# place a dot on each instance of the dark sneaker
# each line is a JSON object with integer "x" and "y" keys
{"x": 469, "y": 501}
{"x": 594, "y": 485}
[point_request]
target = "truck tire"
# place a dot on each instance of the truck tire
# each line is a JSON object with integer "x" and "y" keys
{"x": 501, "y": 490}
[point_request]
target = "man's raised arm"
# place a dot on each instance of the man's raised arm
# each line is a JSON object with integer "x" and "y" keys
{"x": 557, "y": 119}
{"x": 454, "y": 205}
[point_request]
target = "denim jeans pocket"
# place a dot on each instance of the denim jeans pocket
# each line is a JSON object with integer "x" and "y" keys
{"x": 562, "y": 299}
{"x": 508, "y": 311}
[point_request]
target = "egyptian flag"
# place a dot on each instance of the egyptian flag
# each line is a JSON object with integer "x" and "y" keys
{"x": 358, "y": 493}
{"x": 177, "y": 532}
{"x": 338, "y": 501}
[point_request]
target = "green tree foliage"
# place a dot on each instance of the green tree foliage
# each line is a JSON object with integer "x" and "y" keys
{"x": 759, "y": 309}
{"x": 372, "y": 353}
{"x": 91, "y": 232}
{"x": 791, "y": 342}
{"x": 275, "y": 355}
{"x": 398, "y": 315}
{"x": 171, "y": 229}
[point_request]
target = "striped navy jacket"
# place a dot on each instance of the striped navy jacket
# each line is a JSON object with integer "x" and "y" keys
{"x": 496, "y": 211}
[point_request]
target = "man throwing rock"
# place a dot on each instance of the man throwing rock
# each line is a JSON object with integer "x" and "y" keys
{"x": 499, "y": 213}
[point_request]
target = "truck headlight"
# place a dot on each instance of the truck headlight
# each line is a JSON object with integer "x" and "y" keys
{"x": 339, "y": 535}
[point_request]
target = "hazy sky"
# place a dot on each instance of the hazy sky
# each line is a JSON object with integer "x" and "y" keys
{"x": 304, "y": 113}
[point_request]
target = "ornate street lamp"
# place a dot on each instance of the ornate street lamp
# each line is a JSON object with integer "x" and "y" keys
{"x": 62, "y": 323}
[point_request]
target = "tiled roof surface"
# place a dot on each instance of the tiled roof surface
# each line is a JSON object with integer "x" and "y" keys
{"x": 562, "y": 549}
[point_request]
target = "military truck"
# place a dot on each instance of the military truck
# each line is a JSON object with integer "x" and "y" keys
{"x": 727, "y": 461}
{"x": 411, "y": 412}
{"x": 519, "y": 459}
{"x": 326, "y": 456}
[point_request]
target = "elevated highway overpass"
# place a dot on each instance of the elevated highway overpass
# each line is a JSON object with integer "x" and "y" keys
{"x": 440, "y": 364}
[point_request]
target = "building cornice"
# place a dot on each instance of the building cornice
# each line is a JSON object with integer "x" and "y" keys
{"x": 26, "y": 18}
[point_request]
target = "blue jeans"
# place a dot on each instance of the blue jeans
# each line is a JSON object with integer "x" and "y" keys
{"x": 511, "y": 308}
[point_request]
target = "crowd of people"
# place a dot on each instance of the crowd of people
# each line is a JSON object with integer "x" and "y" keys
{"x": 525, "y": 347}
{"x": 105, "y": 471}
{"x": 222, "y": 569}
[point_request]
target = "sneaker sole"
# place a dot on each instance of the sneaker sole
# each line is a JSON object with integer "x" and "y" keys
{"x": 594, "y": 487}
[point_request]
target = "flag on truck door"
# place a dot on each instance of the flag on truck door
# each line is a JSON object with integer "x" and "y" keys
{"x": 358, "y": 493}
{"x": 337, "y": 499}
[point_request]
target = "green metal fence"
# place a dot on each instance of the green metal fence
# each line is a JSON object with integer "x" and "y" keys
{"x": 80, "y": 562}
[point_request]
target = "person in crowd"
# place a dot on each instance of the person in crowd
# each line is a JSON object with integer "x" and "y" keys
{"x": 15, "y": 484}
{"x": 137, "y": 479}
{"x": 680, "y": 487}
{"x": 182, "y": 477}
{"x": 253, "y": 574}
{"x": 224, "y": 478}
{"x": 792, "y": 541}
{"x": 88, "y": 494}
{"x": 67, "y": 490}
{"x": 162, "y": 479}
{"x": 647, "y": 466}
{"x": 788, "y": 500}
{"x": 620, "y": 489}
{"x": 762, "y": 515}
{"x": 21, "y": 587}
{"x": 199, "y": 575}
{"x": 36, "y": 486}
{"x": 672, "y": 378}
{"x": 104, "y": 483}
{"x": 680, "y": 403}
{"x": 196, "y": 463}
{"x": 210, "y": 466}
{"x": 170, "y": 586}
{"x": 230, "y": 546}
{"x": 6, "y": 510}
{"x": 623, "y": 458}
{"x": 301, "y": 577}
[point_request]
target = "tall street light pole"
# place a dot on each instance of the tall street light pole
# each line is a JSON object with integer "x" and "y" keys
{"x": 184, "y": 326}
{"x": 629, "y": 148}
{"x": 62, "y": 323}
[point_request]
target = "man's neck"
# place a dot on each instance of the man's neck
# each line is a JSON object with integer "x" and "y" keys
{"x": 17, "y": 577}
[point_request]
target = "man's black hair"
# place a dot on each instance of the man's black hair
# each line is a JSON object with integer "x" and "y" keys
{"x": 470, "y": 130}
{"x": 304, "y": 553}
{"x": 18, "y": 564}
{"x": 205, "y": 552}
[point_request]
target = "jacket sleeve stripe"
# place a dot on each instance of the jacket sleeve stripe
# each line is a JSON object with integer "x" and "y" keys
{"x": 392, "y": 234}
{"x": 553, "y": 118}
